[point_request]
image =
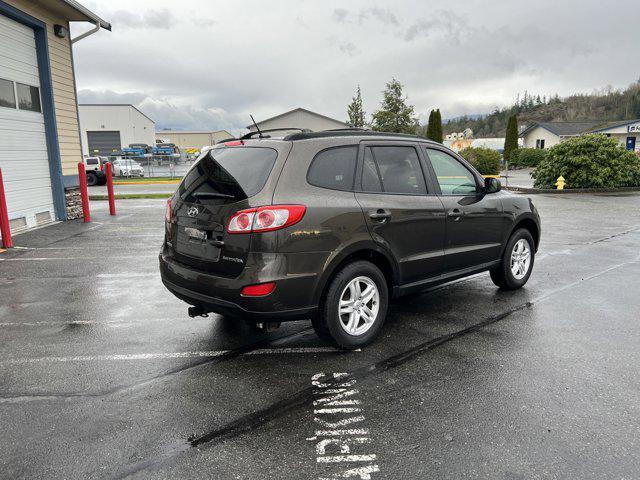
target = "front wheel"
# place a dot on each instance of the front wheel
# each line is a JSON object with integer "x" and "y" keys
{"x": 355, "y": 306}
{"x": 517, "y": 261}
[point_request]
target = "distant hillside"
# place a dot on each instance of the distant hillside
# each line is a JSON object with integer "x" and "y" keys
{"x": 605, "y": 105}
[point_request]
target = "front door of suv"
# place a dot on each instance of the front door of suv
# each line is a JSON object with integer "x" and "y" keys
{"x": 401, "y": 210}
{"x": 475, "y": 220}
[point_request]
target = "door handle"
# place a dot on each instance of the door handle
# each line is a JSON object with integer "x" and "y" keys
{"x": 380, "y": 214}
{"x": 456, "y": 214}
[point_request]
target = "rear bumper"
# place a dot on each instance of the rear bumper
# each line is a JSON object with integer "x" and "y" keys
{"x": 292, "y": 298}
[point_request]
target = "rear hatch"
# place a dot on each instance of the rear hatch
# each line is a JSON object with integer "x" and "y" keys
{"x": 223, "y": 181}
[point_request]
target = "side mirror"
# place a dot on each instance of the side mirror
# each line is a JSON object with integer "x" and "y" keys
{"x": 492, "y": 185}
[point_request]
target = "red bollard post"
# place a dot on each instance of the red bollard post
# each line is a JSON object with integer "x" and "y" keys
{"x": 5, "y": 228}
{"x": 112, "y": 201}
{"x": 84, "y": 194}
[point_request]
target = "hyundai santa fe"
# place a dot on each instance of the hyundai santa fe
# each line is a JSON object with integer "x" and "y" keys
{"x": 330, "y": 226}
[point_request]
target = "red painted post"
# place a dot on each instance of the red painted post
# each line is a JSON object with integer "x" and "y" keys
{"x": 5, "y": 228}
{"x": 84, "y": 194}
{"x": 112, "y": 202}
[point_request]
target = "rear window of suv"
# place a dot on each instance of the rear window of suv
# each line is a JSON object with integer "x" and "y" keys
{"x": 238, "y": 173}
{"x": 334, "y": 168}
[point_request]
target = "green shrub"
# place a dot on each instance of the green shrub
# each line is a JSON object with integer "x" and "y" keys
{"x": 527, "y": 157}
{"x": 589, "y": 161}
{"x": 486, "y": 161}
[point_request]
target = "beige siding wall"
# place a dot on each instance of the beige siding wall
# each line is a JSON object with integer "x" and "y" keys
{"x": 550, "y": 139}
{"x": 64, "y": 93}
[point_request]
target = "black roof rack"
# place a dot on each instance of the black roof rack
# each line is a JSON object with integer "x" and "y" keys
{"x": 349, "y": 133}
{"x": 249, "y": 135}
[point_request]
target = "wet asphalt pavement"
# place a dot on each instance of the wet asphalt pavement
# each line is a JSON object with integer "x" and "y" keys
{"x": 103, "y": 375}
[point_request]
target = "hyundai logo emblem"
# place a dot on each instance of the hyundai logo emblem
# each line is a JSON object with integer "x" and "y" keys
{"x": 193, "y": 212}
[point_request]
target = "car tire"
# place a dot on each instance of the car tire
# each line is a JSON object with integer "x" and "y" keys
{"x": 92, "y": 179}
{"x": 361, "y": 289}
{"x": 521, "y": 249}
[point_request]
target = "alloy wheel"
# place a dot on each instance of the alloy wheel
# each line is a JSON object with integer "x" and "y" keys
{"x": 359, "y": 306}
{"x": 520, "y": 259}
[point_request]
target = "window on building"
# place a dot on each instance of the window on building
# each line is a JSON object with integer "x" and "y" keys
{"x": 394, "y": 170}
{"x": 540, "y": 143}
{"x": 7, "y": 94}
{"x": 334, "y": 168}
{"x": 28, "y": 97}
{"x": 453, "y": 177}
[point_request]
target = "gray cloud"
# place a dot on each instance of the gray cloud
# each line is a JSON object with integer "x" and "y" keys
{"x": 348, "y": 48}
{"x": 159, "y": 19}
{"x": 167, "y": 114}
{"x": 444, "y": 22}
{"x": 383, "y": 15}
{"x": 313, "y": 54}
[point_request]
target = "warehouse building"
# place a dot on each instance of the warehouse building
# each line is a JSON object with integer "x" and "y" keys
{"x": 40, "y": 146}
{"x": 192, "y": 140}
{"x": 548, "y": 134}
{"x": 300, "y": 118}
{"x": 107, "y": 128}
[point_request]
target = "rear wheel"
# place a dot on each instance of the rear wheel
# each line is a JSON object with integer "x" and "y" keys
{"x": 92, "y": 179}
{"x": 517, "y": 261}
{"x": 355, "y": 306}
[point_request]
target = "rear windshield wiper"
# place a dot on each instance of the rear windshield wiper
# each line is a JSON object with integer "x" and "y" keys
{"x": 211, "y": 195}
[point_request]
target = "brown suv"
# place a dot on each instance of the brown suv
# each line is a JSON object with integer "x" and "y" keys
{"x": 329, "y": 226}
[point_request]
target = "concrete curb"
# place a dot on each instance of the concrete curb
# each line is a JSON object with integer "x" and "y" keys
{"x": 571, "y": 190}
{"x": 152, "y": 182}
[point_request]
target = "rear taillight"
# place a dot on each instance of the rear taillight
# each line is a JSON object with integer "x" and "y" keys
{"x": 167, "y": 212}
{"x": 259, "y": 290}
{"x": 265, "y": 219}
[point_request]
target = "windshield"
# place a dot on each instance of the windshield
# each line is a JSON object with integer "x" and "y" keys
{"x": 236, "y": 172}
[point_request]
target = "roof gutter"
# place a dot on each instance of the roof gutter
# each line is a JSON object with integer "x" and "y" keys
{"x": 88, "y": 13}
{"x": 86, "y": 34}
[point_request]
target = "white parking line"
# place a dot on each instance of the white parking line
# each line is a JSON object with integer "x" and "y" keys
{"x": 152, "y": 356}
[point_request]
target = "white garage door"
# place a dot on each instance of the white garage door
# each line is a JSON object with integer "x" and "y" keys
{"x": 23, "y": 148}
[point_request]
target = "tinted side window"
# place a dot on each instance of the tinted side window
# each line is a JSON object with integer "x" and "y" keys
{"x": 334, "y": 168}
{"x": 7, "y": 95}
{"x": 453, "y": 177}
{"x": 398, "y": 169}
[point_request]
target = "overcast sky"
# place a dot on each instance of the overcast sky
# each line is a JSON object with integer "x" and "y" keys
{"x": 208, "y": 64}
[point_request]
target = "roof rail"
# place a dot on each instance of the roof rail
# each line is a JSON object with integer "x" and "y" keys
{"x": 249, "y": 135}
{"x": 349, "y": 133}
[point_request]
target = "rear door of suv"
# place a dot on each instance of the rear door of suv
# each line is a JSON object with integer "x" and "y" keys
{"x": 401, "y": 208}
{"x": 222, "y": 182}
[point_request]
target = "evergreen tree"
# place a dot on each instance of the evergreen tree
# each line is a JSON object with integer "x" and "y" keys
{"x": 430, "y": 133}
{"x": 438, "y": 127}
{"x": 355, "y": 111}
{"x": 394, "y": 114}
{"x": 511, "y": 139}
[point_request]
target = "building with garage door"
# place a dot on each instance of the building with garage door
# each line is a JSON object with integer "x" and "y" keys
{"x": 39, "y": 136}
{"x": 300, "y": 118}
{"x": 106, "y": 128}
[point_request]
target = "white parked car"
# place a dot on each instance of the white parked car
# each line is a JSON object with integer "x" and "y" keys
{"x": 127, "y": 168}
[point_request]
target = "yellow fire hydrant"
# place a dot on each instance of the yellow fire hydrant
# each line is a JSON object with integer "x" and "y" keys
{"x": 560, "y": 183}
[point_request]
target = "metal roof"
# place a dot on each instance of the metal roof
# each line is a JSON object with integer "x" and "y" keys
{"x": 299, "y": 109}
